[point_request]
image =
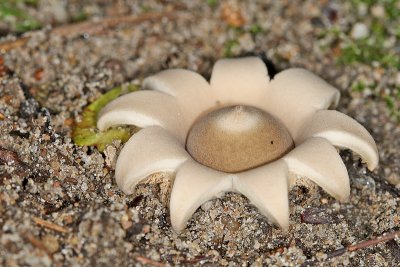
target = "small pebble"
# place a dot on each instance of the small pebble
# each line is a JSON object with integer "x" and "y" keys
{"x": 51, "y": 243}
{"x": 398, "y": 78}
{"x": 378, "y": 11}
{"x": 394, "y": 179}
{"x": 126, "y": 224}
{"x": 84, "y": 187}
{"x": 359, "y": 31}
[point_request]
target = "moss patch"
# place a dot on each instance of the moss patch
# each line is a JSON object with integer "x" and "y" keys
{"x": 12, "y": 13}
{"x": 377, "y": 48}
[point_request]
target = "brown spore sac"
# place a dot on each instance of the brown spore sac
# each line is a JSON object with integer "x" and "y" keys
{"x": 238, "y": 138}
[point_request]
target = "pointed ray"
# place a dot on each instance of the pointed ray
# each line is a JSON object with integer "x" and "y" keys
{"x": 295, "y": 94}
{"x": 191, "y": 90}
{"x": 240, "y": 80}
{"x": 267, "y": 188}
{"x": 319, "y": 161}
{"x": 150, "y": 150}
{"x": 143, "y": 109}
{"x": 342, "y": 131}
{"x": 194, "y": 184}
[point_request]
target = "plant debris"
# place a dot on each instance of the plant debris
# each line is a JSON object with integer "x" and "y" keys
{"x": 85, "y": 132}
{"x": 49, "y": 225}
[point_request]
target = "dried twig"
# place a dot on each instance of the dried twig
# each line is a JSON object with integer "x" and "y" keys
{"x": 50, "y": 225}
{"x": 9, "y": 45}
{"x": 383, "y": 238}
{"x": 145, "y": 260}
{"x": 92, "y": 27}
{"x": 380, "y": 239}
{"x": 195, "y": 260}
{"x": 37, "y": 243}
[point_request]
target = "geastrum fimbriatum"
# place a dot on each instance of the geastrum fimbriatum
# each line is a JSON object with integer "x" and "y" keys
{"x": 241, "y": 132}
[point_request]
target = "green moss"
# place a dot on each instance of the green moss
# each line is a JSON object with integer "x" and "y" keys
{"x": 229, "y": 45}
{"x": 85, "y": 133}
{"x": 27, "y": 2}
{"x": 366, "y": 52}
{"x": 212, "y": 3}
{"x": 145, "y": 8}
{"x": 370, "y": 49}
{"x": 19, "y": 19}
{"x": 393, "y": 107}
{"x": 27, "y": 25}
{"x": 390, "y": 6}
{"x": 80, "y": 16}
{"x": 236, "y": 33}
{"x": 358, "y": 86}
{"x": 373, "y": 49}
{"x": 255, "y": 29}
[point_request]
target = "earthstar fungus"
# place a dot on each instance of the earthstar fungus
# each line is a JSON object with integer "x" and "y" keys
{"x": 242, "y": 132}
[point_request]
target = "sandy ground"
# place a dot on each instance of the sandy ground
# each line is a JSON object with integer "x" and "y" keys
{"x": 59, "y": 203}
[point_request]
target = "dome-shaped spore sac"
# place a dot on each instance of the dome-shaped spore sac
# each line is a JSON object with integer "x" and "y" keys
{"x": 238, "y": 138}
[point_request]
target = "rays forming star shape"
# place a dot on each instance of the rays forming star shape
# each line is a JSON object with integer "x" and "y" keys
{"x": 241, "y": 132}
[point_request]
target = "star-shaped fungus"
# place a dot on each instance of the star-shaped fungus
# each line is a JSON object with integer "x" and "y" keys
{"x": 241, "y": 132}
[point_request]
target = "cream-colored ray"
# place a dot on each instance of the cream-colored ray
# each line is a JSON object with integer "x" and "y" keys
{"x": 319, "y": 161}
{"x": 341, "y": 131}
{"x": 194, "y": 184}
{"x": 295, "y": 94}
{"x": 143, "y": 109}
{"x": 150, "y": 150}
{"x": 191, "y": 91}
{"x": 240, "y": 81}
{"x": 267, "y": 188}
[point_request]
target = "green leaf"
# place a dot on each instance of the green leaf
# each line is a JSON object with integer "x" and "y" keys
{"x": 85, "y": 133}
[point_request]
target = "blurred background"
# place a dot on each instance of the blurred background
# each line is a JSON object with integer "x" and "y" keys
{"x": 362, "y": 34}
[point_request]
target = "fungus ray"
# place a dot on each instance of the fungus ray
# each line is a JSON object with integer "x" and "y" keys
{"x": 303, "y": 92}
{"x": 267, "y": 188}
{"x": 149, "y": 151}
{"x": 341, "y": 131}
{"x": 195, "y": 184}
{"x": 191, "y": 91}
{"x": 240, "y": 81}
{"x": 143, "y": 109}
{"x": 319, "y": 161}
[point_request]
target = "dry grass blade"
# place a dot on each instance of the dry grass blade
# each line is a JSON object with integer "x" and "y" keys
{"x": 148, "y": 261}
{"x": 37, "y": 243}
{"x": 383, "y": 238}
{"x": 380, "y": 239}
{"x": 50, "y": 225}
{"x": 10, "y": 45}
{"x": 92, "y": 27}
